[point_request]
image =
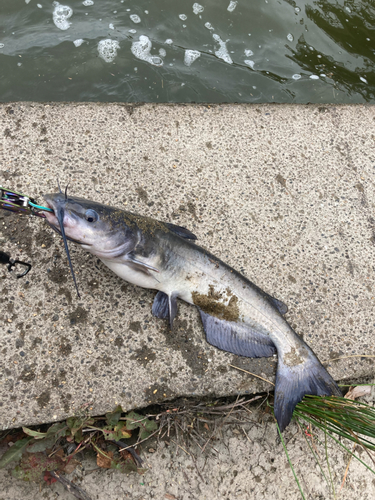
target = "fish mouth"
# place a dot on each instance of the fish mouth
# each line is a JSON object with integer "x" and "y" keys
{"x": 54, "y": 223}
{"x": 58, "y": 231}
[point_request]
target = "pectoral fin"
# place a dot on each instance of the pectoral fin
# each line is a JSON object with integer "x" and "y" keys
{"x": 143, "y": 266}
{"x": 236, "y": 338}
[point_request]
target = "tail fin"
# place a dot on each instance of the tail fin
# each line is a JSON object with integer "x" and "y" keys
{"x": 294, "y": 382}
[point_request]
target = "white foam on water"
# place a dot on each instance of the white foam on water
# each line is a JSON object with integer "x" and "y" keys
{"x": 132, "y": 31}
{"x": 19, "y": 64}
{"x": 296, "y": 76}
{"x": 248, "y": 53}
{"x": 40, "y": 6}
{"x": 111, "y": 27}
{"x": 314, "y": 77}
{"x": 87, "y": 3}
{"x": 249, "y": 63}
{"x": 108, "y": 49}
{"x": 363, "y": 79}
{"x": 142, "y": 50}
{"x": 322, "y": 75}
{"x": 162, "y": 52}
{"x": 1, "y": 45}
{"x": 197, "y": 8}
{"x": 60, "y": 16}
{"x": 183, "y": 17}
{"x": 208, "y": 26}
{"x": 222, "y": 53}
{"x": 290, "y": 37}
{"x": 169, "y": 41}
{"x": 27, "y": 1}
{"x": 232, "y": 5}
{"x": 78, "y": 42}
{"x": 136, "y": 19}
{"x": 191, "y": 56}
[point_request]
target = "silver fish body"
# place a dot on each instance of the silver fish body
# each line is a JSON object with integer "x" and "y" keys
{"x": 237, "y": 316}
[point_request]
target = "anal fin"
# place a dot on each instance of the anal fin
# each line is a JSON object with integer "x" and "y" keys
{"x": 236, "y": 338}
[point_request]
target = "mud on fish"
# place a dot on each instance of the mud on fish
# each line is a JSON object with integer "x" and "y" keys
{"x": 237, "y": 316}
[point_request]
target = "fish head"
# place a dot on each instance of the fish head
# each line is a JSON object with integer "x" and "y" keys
{"x": 99, "y": 229}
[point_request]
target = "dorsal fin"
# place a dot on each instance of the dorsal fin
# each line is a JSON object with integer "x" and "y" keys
{"x": 181, "y": 231}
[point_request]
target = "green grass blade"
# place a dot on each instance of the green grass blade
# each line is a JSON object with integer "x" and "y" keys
{"x": 327, "y": 460}
{"x": 313, "y": 452}
{"x": 352, "y": 420}
{"x": 344, "y": 447}
{"x": 290, "y": 463}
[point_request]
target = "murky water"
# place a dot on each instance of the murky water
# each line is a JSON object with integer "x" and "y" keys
{"x": 185, "y": 51}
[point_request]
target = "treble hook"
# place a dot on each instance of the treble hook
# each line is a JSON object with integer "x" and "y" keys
{"x": 5, "y": 259}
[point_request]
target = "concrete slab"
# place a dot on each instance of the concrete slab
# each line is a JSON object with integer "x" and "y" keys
{"x": 246, "y": 462}
{"x": 284, "y": 194}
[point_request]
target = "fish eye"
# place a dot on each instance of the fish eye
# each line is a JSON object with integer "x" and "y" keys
{"x": 91, "y": 216}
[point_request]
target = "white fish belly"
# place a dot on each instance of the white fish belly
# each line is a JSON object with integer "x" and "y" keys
{"x": 131, "y": 274}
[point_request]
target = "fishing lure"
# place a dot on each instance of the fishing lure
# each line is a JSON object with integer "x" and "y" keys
{"x": 20, "y": 203}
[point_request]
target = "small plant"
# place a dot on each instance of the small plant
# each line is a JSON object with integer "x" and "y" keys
{"x": 50, "y": 454}
{"x": 340, "y": 419}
